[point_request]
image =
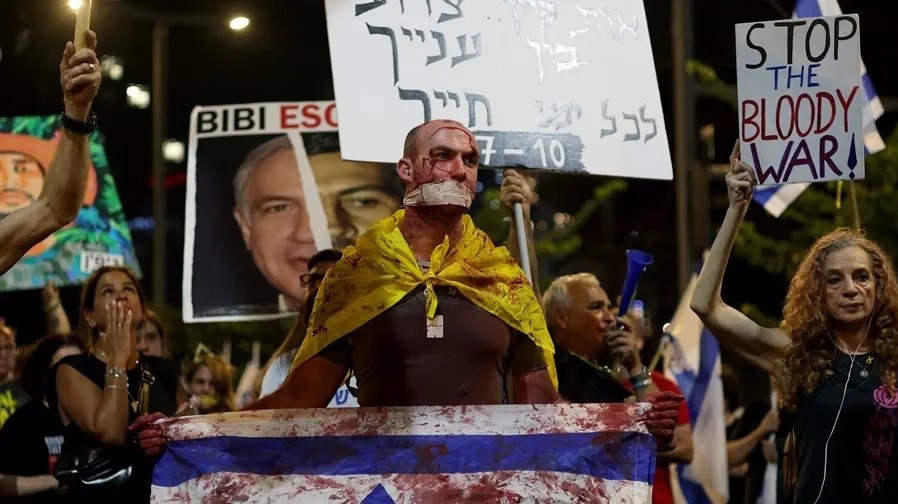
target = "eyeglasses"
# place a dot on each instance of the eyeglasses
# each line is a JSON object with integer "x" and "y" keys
{"x": 9, "y": 348}
{"x": 310, "y": 278}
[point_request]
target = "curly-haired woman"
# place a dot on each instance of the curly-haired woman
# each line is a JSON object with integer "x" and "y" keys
{"x": 835, "y": 355}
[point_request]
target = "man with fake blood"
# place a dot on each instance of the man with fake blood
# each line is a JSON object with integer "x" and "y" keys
{"x": 425, "y": 309}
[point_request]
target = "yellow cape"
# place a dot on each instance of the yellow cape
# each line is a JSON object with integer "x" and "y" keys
{"x": 380, "y": 270}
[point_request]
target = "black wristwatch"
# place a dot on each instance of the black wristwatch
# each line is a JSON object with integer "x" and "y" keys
{"x": 79, "y": 127}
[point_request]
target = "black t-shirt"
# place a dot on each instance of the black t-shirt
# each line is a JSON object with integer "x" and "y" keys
{"x": 163, "y": 398}
{"x": 30, "y": 441}
{"x": 862, "y": 460}
{"x": 583, "y": 383}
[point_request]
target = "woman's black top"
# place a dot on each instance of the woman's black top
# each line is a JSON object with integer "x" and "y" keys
{"x": 162, "y": 398}
{"x": 861, "y": 459}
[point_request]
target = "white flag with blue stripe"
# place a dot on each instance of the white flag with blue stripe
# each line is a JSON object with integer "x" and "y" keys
{"x": 776, "y": 199}
{"x": 692, "y": 359}
{"x": 512, "y": 453}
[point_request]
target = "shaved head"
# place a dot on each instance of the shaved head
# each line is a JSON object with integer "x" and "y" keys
{"x": 430, "y": 128}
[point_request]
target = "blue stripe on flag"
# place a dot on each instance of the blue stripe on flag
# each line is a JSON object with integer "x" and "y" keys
{"x": 807, "y": 8}
{"x": 763, "y": 194}
{"x": 619, "y": 456}
{"x": 709, "y": 351}
{"x": 693, "y": 491}
{"x": 867, "y": 82}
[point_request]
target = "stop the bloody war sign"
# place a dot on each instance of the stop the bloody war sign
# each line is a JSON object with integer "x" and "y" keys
{"x": 800, "y": 99}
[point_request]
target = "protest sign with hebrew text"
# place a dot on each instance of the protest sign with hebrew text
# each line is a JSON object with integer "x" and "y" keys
{"x": 568, "y": 85}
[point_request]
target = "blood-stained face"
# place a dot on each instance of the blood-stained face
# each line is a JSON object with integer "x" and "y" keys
{"x": 441, "y": 151}
{"x": 21, "y": 181}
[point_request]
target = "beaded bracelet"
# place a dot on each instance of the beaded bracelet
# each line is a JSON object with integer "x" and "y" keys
{"x": 116, "y": 387}
{"x": 117, "y": 373}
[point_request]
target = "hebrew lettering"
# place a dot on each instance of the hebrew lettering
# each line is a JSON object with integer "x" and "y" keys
{"x": 648, "y": 121}
{"x": 565, "y": 112}
{"x": 449, "y": 17}
{"x": 441, "y": 42}
{"x": 625, "y": 27}
{"x": 563, "y": 66}
{"x": 473, "y": 98}
{"x": 607, "y": 15}
{"x": 629, "y": 137}
{"x": 463, "y": 46}
{"x": 586, "y": 13}
{"x": 383, "y": 30}
{"x": 417, "y": 94}
{"x": 365, "y": 7}
{"x": 539, "y": 57}
{"x": 613, "y": 130}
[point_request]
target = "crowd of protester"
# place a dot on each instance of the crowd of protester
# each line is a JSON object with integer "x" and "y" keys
{"x": 73, "y": 404}
{"x": 77, "y": 392}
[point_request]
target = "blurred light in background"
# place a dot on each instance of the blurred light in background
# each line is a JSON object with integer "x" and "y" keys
{"x": 239, "y": 23}
{"x": 173, "y": 150}
{"x": 138, "y": 96}
{"x": 113, "y": 67}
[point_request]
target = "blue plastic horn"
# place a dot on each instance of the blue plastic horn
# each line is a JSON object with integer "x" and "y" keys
{"x": 637, "y": 262}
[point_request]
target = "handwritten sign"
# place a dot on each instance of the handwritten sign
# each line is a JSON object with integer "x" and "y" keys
{"x": 567, "y": 85}
{"x": 800, "y": 99}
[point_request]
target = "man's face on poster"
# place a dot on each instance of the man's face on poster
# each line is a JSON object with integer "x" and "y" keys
{"x": 355, "y": 195}
{"x": 21, "y": 181}
{"x": 275, "y": 224}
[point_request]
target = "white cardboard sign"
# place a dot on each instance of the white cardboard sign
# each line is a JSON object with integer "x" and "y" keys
{"x": 567, "y": 85}
{"x": 800, "y": 100}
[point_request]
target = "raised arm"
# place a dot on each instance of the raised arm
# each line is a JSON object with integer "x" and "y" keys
{"x": 732, "y": 328}
{"x": 63, "y": 191}
{"x": 57, "y": 320}
{"x": 739, "y": 450}
{"x": 516, "y": 189}
{"x": 101, "y": 414}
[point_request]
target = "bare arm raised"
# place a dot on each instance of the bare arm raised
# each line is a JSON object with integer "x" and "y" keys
{"x": 60, "y": 199}
{"x": 764, "y": 345}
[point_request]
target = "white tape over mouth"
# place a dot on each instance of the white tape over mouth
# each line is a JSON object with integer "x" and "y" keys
{"x": 447, "y": 192}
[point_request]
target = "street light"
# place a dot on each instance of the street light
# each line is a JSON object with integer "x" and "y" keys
{"x": 239, "y": 23}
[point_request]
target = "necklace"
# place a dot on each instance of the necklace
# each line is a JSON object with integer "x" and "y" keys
{"x": 598, "y": 367}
